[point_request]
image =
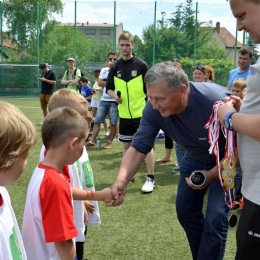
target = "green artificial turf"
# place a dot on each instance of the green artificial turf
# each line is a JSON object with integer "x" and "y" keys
{"x": 144, "y": 227}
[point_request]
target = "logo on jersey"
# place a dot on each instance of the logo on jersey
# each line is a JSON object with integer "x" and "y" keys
{"x": 134, "y": 73}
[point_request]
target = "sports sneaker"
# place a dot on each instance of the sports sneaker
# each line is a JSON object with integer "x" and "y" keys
{"x": 108, "y": 145}
{"x": 89, "y": 144}
{"x": 160, "y": 136}
{"x": 176, "y": 170}
{"x": 115, "y": 139}
{"x": 149, "y": 185}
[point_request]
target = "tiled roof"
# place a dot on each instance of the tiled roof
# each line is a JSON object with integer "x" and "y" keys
{"x": 7, "y": 42}
{"x": 228, "y": 38}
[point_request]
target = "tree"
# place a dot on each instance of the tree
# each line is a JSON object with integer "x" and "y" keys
{"x": 255, "y": 50}
{"x": 175, "y": 38}
{"x": 21, "y": 19}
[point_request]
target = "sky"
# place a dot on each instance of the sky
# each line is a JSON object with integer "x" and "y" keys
{"x": 137, "y": 14}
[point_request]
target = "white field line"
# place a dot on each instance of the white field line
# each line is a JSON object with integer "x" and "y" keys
{"x": 26, "y": 107}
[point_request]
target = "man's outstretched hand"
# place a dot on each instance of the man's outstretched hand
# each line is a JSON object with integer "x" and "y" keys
{"x": 118, "y": 193}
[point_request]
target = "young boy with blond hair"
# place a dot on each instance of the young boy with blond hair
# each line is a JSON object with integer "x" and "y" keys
{"x": 81, "y": 174}
{"x": 239, "y": 87}
{"x": 17, "y": 137}
{"x": 48, "y": 227}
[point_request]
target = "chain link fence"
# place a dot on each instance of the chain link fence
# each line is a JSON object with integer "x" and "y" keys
{"x": 86, "y": 31}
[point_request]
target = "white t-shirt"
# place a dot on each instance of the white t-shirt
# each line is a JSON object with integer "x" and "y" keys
{"x": 81, "y": 173}
{"x": 11, "y": 244}
{"x": 48, "y": 214}
{"x": 103, "y": 75}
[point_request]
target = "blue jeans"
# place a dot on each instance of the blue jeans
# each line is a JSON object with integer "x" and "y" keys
{"x": 206, "y": 234}
{"x": 104, "y": 108}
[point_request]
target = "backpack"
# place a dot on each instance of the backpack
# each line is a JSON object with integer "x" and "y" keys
{"x": 74, "y": 74}
{"x": 78, "y": 87}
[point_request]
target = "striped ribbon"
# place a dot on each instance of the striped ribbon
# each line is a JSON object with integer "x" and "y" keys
{"x": 213, "y": 125}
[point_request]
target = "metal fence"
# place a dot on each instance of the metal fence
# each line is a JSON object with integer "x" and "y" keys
{"x": 134, "y": 17}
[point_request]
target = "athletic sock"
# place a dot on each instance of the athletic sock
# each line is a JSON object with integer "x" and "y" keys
{"x": 150, "y": 176}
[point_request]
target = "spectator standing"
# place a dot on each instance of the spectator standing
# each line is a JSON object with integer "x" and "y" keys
{"x": 96, "y": 96}
{"x": 239, "y": 87}
{"x": 127, "y": 78}
{"x": 209, "y": 74}
{"x": 48, "y": 80}
{"x": 85, "y": 89}
{"x": 245, "y": 57}
{"x": 71, "y": 76}
{"x": 106, "y": 106}
{"x": 199, "y": 73}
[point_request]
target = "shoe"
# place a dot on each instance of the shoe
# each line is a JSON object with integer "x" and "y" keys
{"x": 148, "y": 185}
{"x": 89, "y": 144}
{"x": 132, "y": 181}
{"x": 108, "y": 145}
{"x": 106, "y": 137}
{"x": 176, "y": 170}
{"x": 160, "y": 137}
{"x": 164, "y": 160}
{"x": 115, "y": 139}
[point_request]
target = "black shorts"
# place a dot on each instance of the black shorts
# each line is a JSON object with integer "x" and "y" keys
{"x": 127, "y": 128}
{"x": 248, "y": 232}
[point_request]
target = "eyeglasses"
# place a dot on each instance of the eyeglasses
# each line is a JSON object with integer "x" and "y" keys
{"x": 112, "y": 59}
{"x": 198, "y": 67}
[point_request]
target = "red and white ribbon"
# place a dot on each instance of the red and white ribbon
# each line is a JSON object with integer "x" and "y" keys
{"x": 213, "y": 125}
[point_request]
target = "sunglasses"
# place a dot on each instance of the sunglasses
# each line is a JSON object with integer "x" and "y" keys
{"x": 198, "y": 67}
{"x": 176, "y": 60}
{"x": 112, "y": 59}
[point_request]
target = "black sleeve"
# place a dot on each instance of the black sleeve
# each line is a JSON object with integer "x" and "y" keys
{"x": 144, "y": 70}
{"x": 110, "y": 79}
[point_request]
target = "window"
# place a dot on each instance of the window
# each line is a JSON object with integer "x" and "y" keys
{"x": 90, "y": 31}
{"x": 104, "y": 32}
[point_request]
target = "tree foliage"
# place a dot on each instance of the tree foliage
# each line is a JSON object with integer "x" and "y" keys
{"x": 21, "y": 17}
{"x": 255, "y": 50}
{"x": 175, "y": 37}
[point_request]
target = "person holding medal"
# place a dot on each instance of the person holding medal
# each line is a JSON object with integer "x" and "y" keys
{"x": 244, "y": 118}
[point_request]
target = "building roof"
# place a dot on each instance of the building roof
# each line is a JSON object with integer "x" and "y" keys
{"x": 7, "y": 42}
{"x": 228, "y": 39}
{"x": 87, "y": 24}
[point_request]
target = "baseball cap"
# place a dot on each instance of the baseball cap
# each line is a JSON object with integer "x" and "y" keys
{"x": 42, "y": 66}
{"x": 70, "y": 59}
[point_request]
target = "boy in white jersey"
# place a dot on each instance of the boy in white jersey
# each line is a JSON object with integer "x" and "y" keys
{"x": 48, "y": 227}
{"x": 17, "y": 137}
{"x": 81, "y": 174}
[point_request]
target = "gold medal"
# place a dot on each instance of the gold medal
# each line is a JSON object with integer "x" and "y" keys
{"x": 229, "y": 172}
{"x": 229, "y": 183}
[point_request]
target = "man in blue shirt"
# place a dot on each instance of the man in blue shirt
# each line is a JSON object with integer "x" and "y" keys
{"x": 245, "y": 57}
{"x": 181, "y": 109}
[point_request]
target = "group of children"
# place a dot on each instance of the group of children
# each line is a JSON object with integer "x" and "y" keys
{"x": 61, "y": 191}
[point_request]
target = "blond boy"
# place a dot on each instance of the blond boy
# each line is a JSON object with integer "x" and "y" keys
{"x": 17, "y": 137}
{"x": 239, "y": 87}
{"x": 48, "y": 227}
{"x": 81, "y": 174}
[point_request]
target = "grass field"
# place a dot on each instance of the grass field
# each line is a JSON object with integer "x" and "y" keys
{"x": 144, "y": 227}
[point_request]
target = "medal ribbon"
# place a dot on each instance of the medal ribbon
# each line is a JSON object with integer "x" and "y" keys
{"x": 213, "y": 125}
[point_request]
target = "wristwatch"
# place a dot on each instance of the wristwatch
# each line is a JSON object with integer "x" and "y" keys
{"x": 227, "y": 121}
